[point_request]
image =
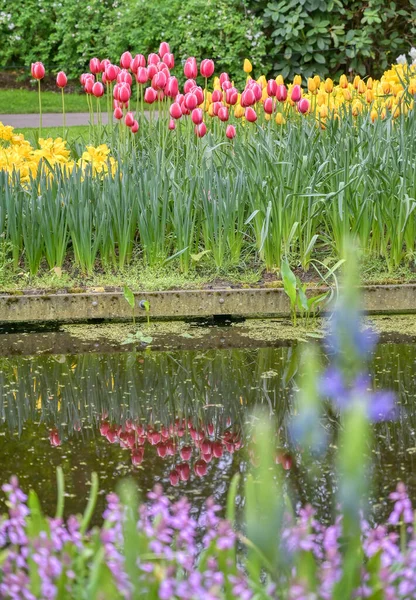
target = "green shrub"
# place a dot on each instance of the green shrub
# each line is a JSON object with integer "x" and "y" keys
{"x": 334, "y": 36}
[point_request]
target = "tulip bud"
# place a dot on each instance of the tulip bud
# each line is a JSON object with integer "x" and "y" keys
{"x": 191, "y": 101}
{"x": 150, "y": 95}
{"x": 98, "y": 89}
{"x": 343, "y": 81}
{"x": 248, "y": 98}
{"x": 296, "y": 94}
{"x": 151, "y": 71}
{"x": 129, "y": 119}
{"x": 125, "y": 60}
{"x": 200, "y": 130}
{"x": 89, "y": 84}
{"x": 197, "y": 116}
{"x": 184, "y": 109}
{"x": 164, "y": 49}
{"x": 172, "y": 125}
{"x": 271, "y": 87}
{"x": 279, "y": 118}
{"x": 104, "y": 64}
{"x": 207, "y": 68}
{"x": 247, "y": 67}
{"x": 138, "y": 61}
{"x": 124, "y": 93}
{"x": 200, "y": 468}
{"x": 37, "y": 70}
{"x": 269, "y": 106}
{"x": 198, "y": 93}
{"x": 159, "y": 81}
{"x": 231, "y": 96}
{"x": 111, "y": 73}
{"x": 250, "y": 114}
{"x": 224, "y": 77}
{"x": 184, "y": 471}
{"x": 281, "y": 93}
{"x": 124, "y": 77}
{"x": 328, "y": 85}
{"x": 169, "y": 60}
{"x": 217, "y": 96}
{"x": 257, "y": 91}
{"x": 142, "y": 75}
{"x": 303, "y": 105}
{"x": 172, "y": 87}
{"x": 230, "y": 132}
{"x": 223, "y": 114}
{"x": 95, "y": 66}
{"x": 216, "y": 107}
{"x": 118, "y": 113}
{"x": 175, "y": 110}
{"x": 174, "y": 477}
{"x": 61, "y": 79}
{"x": 226, "y": 85}
{"x": 190, "y": 68}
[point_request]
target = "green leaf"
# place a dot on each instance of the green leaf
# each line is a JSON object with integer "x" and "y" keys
{"x": 289, "y": 281}
{"x": 129, "y": 296}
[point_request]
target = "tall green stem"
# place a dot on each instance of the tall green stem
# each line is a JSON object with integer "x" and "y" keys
{"x": 63, "y": 113}
{"x": 40, "y": 110}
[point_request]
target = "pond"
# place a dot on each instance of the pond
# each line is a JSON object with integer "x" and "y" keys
{"x": 182, "y": 418}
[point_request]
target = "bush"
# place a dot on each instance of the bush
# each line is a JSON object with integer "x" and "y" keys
{"x": 334, "y": 36}
{"x": 65, "y": 38}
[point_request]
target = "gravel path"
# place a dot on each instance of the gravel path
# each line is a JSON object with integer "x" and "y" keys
{"x": 48, "y": 120}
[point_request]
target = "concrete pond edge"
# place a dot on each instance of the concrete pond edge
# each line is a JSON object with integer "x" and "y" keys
{"x": 183, "y": 304}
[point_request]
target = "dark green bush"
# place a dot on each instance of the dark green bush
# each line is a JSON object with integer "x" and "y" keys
{"x": 64, "y": 36}
{"x": 334, "y": 36}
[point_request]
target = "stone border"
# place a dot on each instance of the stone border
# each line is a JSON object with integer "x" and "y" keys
{"x": 261, "y": 302}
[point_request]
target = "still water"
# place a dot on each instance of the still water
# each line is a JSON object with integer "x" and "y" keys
{"x": 182, "y": 418}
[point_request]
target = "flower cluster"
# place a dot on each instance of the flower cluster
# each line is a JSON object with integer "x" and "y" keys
{"x": 183, "y": 557}
{"x": 17, "y": 155}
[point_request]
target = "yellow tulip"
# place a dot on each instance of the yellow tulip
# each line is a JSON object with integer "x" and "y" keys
{"x": 329, "y": 85}
{"x": 311, "y": 85}
{"x": 317, "y": 81}
{"x": 280, "y": 80}
{"x": 412, "y": 87}
{"x": 297, "y": 80}
{"x": 356, "y": 81}
{"x": 323, "y": 111}
{"x": 347, "y": 94}
{"x": 369, "y": 96}
{"x": 267, "y": 116}
{"x": 248, "y": 67}
{"x": 343, "y": 81}
{"x": 239, "y": 111}
{"x": 361, "y": 88}
{"x": 262, "y": 81}
{"x": 370, "y": 83}
{"x": 373, "y": 115}
{"x": 386, "y": 87}
{"x": 280, "y": 120}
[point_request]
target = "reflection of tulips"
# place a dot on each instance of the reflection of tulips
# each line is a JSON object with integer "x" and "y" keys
{"x": 184, "y": 439}
{"x": 54, "y": 438}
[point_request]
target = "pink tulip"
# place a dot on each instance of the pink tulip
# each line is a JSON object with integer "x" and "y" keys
{"x": 37, "y": 70}
{"x": 150, "y": 95}
{"x": 171, "y": 88}
{"x": 231, "y": 96}
{"x": 98, "y": 89}
{"x": 129, "y": 119}
{"x": 169, "y": 60}
{"x": 207, "y": 68}
{"x": 104, "y": 64}
{"x": 281, "y": 93}
{"x": 190, "y": 68}
{"x": 175, "y": 110}
{"x": 111, "y": 72}
{"x": 172, "y": 124}
{"x": 185, "y": 111}
{"x": 269, "y": 106}
{"x": 200, "y": 468}
{"x": 217, "y": 449}
{"x": 216, "y": 108}
{"x": 95, "y": 66}
{"x": 224, "y": 77}
{"x": 191, "y": 101}
{"x": 174, "y": 477}
{"x": 137, "y": 456}
{"x": 250, "y": 114}
{"x": 271, "y": 87}
{"x": 142, "y": 75}
{"x": 151, "y": 71}
{"x": 223, "y": 114}
{"x": 89, "y": 84}
{"x": 200, "y": 130}
{"x": 159, "y": 81}
{"x": 247, "y": 98}
{"x": 118, "y": 113}
{"x": 186, "y": 452}
{"x": 124, "y": 77}
{"x": 163, "y": 49}
{"x": 303, "y": 105}
{"x": 199, "y": 93}
{"x": 184, "y": 471}
{"x": 226, "y": 85}
{"x": 54, "y": 438}
{"x": 296, "y": 94}
{"x": 153, "y": 59}
{"x": 257, "y": 91}
{"x": 197, "y": 116}
{"x": 161, "y": 450}
{"x": 216, "y": 96}
{"x": 125, "y": 60}
{"x": 61, "y": 79}
{"x": 138, "y": 61}
{"x": 84, "y": 78}
{"x": 124, "y": 93}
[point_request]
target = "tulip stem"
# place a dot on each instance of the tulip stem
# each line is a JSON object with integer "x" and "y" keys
{"x": 40, "y": 110}
{"x": 63, "y": 113}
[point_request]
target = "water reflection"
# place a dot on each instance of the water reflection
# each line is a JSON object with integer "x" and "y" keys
{"x": 180, "y": 418}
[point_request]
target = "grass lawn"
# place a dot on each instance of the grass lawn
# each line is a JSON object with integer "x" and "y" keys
{"x": 26, "y": 102}
{"x": 72, "y": 133}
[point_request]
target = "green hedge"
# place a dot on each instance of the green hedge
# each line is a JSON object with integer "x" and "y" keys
{"x": 283, "y": 36}
{"x": 64, "y": 36}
